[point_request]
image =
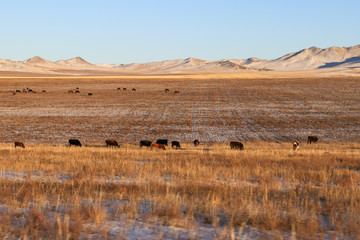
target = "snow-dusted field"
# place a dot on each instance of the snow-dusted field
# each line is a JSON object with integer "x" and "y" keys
{"x": 211, "y": 110}
{"x": 125, "y": 227}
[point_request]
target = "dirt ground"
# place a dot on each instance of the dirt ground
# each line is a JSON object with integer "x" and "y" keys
{"x": 213, "y": 109}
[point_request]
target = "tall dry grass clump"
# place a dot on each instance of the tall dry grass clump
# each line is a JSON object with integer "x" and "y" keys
{"x": 267, "y": 189}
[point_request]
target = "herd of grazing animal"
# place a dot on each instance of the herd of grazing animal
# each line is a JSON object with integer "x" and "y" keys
{"x": 161, "y": 143}
{"x": 26, "y": 90}
{"x": 175, "y": 92}
{"x": 134, "y": 90}
{"x": 125, "y": 89}
{"x": 77, "y": 90}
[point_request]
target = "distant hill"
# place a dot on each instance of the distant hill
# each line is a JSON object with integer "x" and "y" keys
{"x": 306, "y": 59}
{"x": 77, "y": 61}
{"x": 188, "y": 65}
{"x": 38, "y": 65}
{"x": 313, "y": 58}
{"x": 38, "y": 61}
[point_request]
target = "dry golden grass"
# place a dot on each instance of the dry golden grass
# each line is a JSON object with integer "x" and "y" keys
{"x": 62, "y": 191}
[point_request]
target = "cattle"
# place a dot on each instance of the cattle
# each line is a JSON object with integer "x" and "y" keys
{"x": 236, "y": 145}
{"x": 124, "y": 89}
{"x": 89, "y": 94}
{"x": 19, "y": 144}
{"x": 74, "y": 142}
{"x": 145, "y": 143}
{"x": 14, "y": 93}
{"x": 24, "y": 91}
{"x": 313, "y": 139}
{"x": 162, "y": 141}
{"x": 112, "y": 143}
{"x": 296, "y": 145}
{"x": 77, "y": 91}
{"x": 77, "y": 88}
{"x": 175, "y": 144}
{"x": 30, "y": 90}
{"x": 134, "y": 89}
{"x": 118, "y": 89}
{"x": 43, "y": 91}
{"x": 196, "y": 142}
{"x": 167, "y": 90}
{"x": 70, "y": 91}
{"x": 157, "y": 146}
{"x": 18, "y": 91}
{"x": 176, "y": 92}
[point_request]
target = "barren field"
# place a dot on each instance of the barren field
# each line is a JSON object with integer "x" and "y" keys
{"x": 213, "y": 110}
{"x": 49, "y": 190}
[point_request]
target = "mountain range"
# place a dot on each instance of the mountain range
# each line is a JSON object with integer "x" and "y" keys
{"x": 313, "y": 58}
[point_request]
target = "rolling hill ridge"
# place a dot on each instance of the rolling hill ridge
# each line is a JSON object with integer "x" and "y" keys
{"x": 313, "y": 58}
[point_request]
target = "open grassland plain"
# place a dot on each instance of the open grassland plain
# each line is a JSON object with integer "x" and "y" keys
{"x": 267, "y": 191}
{"x": 212, "y": 109}
{"x": 51, "y": 190}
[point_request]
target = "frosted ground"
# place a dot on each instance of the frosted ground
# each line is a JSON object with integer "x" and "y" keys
{"x": 213, "y": 111}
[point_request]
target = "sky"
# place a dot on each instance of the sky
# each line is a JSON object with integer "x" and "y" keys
{"x": 127, "y": 31}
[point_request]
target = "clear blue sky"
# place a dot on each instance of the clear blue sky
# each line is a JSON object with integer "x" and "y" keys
{"x": 126, "y": 31}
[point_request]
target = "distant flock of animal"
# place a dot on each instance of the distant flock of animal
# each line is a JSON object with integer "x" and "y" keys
{"x": 26, "y": 90}
{"x": 161, "y": 143}
{"x": 77, "y": 90}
